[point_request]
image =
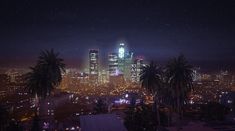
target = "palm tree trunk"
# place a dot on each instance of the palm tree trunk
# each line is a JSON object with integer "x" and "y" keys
{"x": 169, "y": 116}
{"x": 178, "y": 109}
{"x": 158, "y": 116}
{"x": 157, "y": 109}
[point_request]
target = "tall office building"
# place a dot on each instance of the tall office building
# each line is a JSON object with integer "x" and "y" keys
{"x": 93, "y": 66}
{"x": 127, "y": 66}
{"x": 136, "y": 69}
{"x": 115, "y": 76}
{"x": 121, "y": 58}
{"x": 124, "y": 62}
{"x": 121, "y": 51}
{"x": 93, "y": 62}
{"x": 113, "y": 64}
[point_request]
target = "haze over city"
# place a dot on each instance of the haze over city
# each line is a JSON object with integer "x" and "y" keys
{"x": 117, "y": 65}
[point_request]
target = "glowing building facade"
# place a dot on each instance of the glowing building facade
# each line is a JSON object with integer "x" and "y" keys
{"x": 93, "y": 66}
{"x": 121, "y": 58}
{"x": 124, "y": 61}
{"x": 127, "y": 66}
{"x": 121, "y": 51}
{"x": 93, "y": 62}
{"x": 113, "y": 64}
{"x": 121, "y": 67}
{"x": 136, "y": 69}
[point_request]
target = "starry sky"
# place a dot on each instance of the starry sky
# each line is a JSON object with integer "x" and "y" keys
{"x": 203, "y": 30}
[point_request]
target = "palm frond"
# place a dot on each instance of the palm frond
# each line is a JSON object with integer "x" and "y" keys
{"x": 46, "y": 75}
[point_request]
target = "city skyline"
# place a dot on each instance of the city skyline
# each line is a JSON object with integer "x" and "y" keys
{"x": 157, "y": 30}
{"x": 117, "y": 65}
{"x": 83, "y": 64}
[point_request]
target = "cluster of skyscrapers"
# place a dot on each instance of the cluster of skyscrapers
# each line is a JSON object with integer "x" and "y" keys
{"x": 122, "y": 66}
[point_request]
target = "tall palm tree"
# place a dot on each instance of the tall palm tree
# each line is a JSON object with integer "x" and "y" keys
{"x": 179, "y": 78}
{"x": 46, "y": 75}
{"x": 151, "y": 79}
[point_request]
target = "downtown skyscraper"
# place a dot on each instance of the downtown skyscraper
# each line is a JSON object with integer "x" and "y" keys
{"x": 136, "y": 68}
{"x": 113, "y": 64}
{"x": 124, "y": 61}
{"x": 93, "y": 66}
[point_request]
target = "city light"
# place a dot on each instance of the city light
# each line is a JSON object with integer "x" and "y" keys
{"x": 117, "y": 65}
{"x": 121, "y": 51}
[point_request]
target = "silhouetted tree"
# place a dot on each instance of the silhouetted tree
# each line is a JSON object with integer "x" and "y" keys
{"x": 151, "y": 79}
{"x": 46, "y": 75}
{"x": 179, "y": 77}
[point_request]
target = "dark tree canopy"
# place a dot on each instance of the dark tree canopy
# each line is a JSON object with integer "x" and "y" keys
{"x": 179, "y": 78}
{"x": 151, "y": 77}
{"x": 46, "y": 75}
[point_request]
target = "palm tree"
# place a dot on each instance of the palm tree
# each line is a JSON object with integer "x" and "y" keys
{"x": 167, "y": 99}
{"x": 179, "y": 78}
{"x": 151, "y": 79}
{"x": 46, "y": 75}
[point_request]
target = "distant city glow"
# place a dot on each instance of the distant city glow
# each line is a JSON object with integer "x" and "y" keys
{"x": 117, "y": 65}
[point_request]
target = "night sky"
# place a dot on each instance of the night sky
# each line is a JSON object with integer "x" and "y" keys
{"x": 202, "y": 30}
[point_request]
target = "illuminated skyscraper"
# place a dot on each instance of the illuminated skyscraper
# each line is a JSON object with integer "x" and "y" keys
{"x": 113, "y": 64}
{"x": 121, "y": 51}
{"x": 93, "y": 62}
{"x": 136, "y": 69}
{"x": 124, "y": 62}
{"x": 121, "y": 58}
{"x": 93, "y": 66}
{"x": 127, "y": 66}
{"x": 115, "y": 76}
